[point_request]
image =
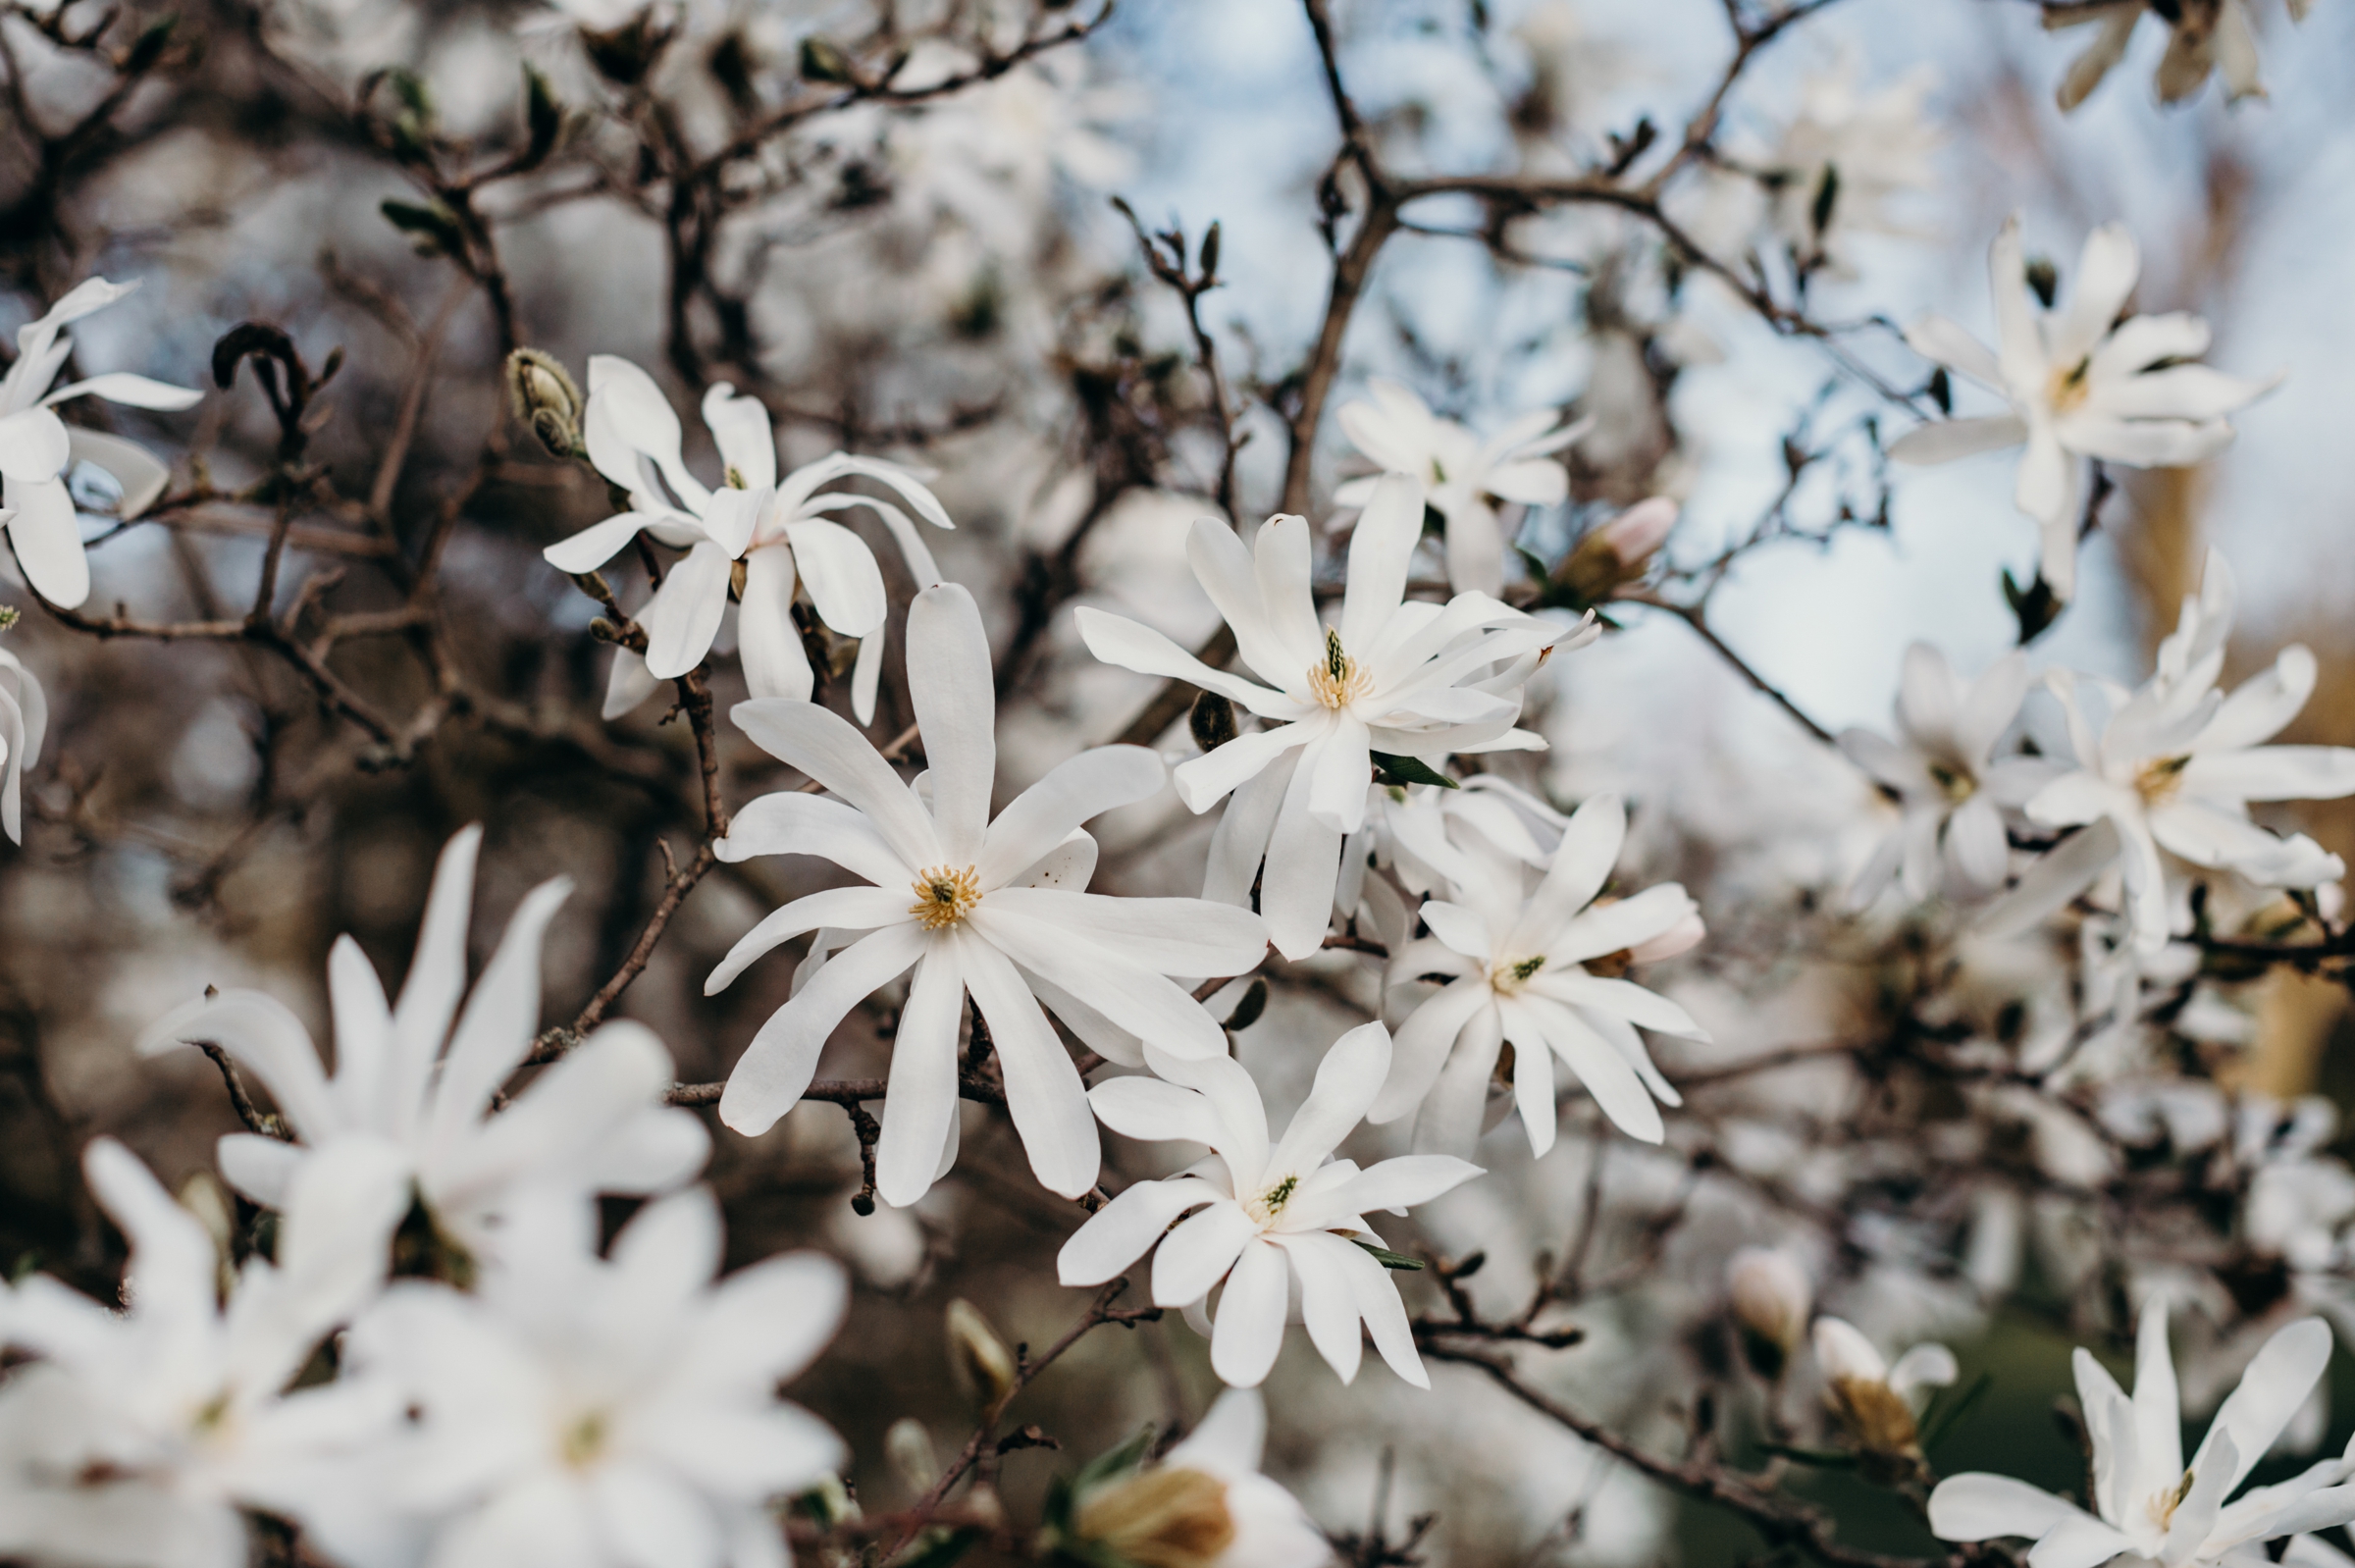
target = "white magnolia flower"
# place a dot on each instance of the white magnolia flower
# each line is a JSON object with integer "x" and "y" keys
{"x": 1396, "y": 676}
{"x": 1771, "y": 1295}
{"x": 1204, "y": 1504}
{"x": 139, "y": 1434}
{"x": 1881, "y": 1404}
{"x": 1522, "y": 965}
{"x": 2204, "y": 35}
{"x": 591, "y": 1411}
{"x": 1464, "y": 478}
{"x": 2151, "y": 1505}
{"x": 36, "y": 448}
{"x": 2082, "y": 384}
{"x": 1844, "y": 157}
{"x": 592, "y": 1122}
{"x": 2174, "y": 766}
{"x": 1277, "y": 1222}
{"x": 982, "y": 920}
{"x": 1952, "y": 797}
{"x": 24, "y": 724}
{"x": 778, "y": 529}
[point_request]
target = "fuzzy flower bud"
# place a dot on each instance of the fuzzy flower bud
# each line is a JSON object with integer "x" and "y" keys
{"x": 983, "y": 1365}
{"x": 542, "y": 395}
{"x": 1618, "y": 553}
{"x": 1879, "y": 1404}
{"x": 1771, "y": 1298}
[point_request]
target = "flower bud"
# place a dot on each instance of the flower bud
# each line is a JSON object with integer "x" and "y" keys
{"x": 1617, "y": 552}
{"x": 1876, "y": 1415}
{"x": 908, "y": 1448}
{"x": 1211, "y": 721}
{"x": 543, "y": 397}
{"x": 1771, "y": 1298}
{"x": 1165, "y": 1517}
{"x": 983, "y": 1365}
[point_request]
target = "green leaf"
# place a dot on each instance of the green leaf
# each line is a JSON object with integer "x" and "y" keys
{"x": 1821, "y": 1458}
{"x": 1113, "y": 1461}
{"x": 1388, "y": 1259}
{"x": 542, "y": 118}
{"x": 2035, "y": 606}
{"x": 434, "y": 229}
{"x": 1388, "y": 769}
{"x": 1945, "y": 1412}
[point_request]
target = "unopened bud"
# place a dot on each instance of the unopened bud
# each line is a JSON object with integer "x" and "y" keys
{"x": 830, "y": 1503}
{"x": 1771, "y": 1297}
{"x": 543, "y": 397}
{"x": 201, "y": 1195}
{"x": 908, "y": 1448}
{"x": 1211, "y": 721}
{"x": 1168, "y": 1517}
{"x": 984, "y": 1368}
{"x": 1617, "y": 552}
{"x": 1865, "y": 1395}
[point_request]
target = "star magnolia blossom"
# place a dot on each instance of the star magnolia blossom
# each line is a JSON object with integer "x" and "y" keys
{"x": 592, "y": 1122}
{"x": 24, "y": 723}
{"x": 1519, "y": 966}
{"x": 777, "y": 529}
{"x": 1465, "y": 479}
{"x": 597, "y": 1412}
{"x": 2082, "y": 384}
{"x": 2204, "y": 35}
{"x": 1277, "y": 1223}
{"x": 2151, "y": 1505}
{"x": 980, "y": 922}
{"x": 1879, "y": 1403}
{"x": 36, "y": 448}
{"x": 1204, "y": 1504}
{"x": 140, "y": 1432}
{"x": 1398, "y": 676}
{"x": 1951, "y": 797}
{"x": 2175, "y": 767}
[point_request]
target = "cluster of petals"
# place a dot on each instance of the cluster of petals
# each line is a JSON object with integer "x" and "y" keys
{"x": 2203, "y": 38}
{"x": 1398, "y": 676}
{"x": 594, "y": 1123}
{"x": 777, "y": 529}
{"x": 1517, "y": 966}
{"x": 1465, "y": 478}
{"x": 1273, "y": 1222}
{"x": 2084, "y": 381}
{"x": 991, "y": 909}
{"x": 2148, "y": 1504}
{"x": 36, "y": 448}
{"x": 1205, "y": 1495}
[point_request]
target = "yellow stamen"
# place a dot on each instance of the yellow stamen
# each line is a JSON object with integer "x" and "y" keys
{"x": 2156, "y": 781}
{"x": 1956, "y": 782}
{"x": 1509, "y": 977}
{"x": 1338, "y": 681}
{"x": 943, "y": 897}
{"x": 2067, "y": 388}
{"x": 585, "y": 1439}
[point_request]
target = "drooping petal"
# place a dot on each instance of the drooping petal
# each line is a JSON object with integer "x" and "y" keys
{"x": 598, "y": 544}
{"x": 922, "y": 1099}
{"x": 1976, "y": 1507}
{"x": 797, "y": 822}
{"x": 47, "y": 540}
{"x": 769, "y": 1077}
{"x": 849, "y": 909}
{"x": 846, "y": 586}
{"x": 1944, "y": 441}
{"x": 1197, "y": 1253}
{"x": 1328, "y": 1301}
{"x": 267, "y": 1041}
{"x": 1304, "y": 862}
{"x": 775, "y": 663}
{"x": 1043, "y": 1092}
{"x": 1249, "y": 1328}
{"x": 684, "y": 615}
{"x": 1125, "y": 1229}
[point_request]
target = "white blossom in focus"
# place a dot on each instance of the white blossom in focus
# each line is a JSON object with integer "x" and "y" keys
{"x": 139, "y": 1433}
{"x": 1277, "y": 1222}
{"x": 986, "y": 918}
{"x": 24, "y": 725}
{"x": 1465, "y": 479}
{"x": 592, "y": 1122}
{"x": 36, "y": 448}
{"x": 1523, "y": 967}
{"x": 2082, "y": 384}
{"x": 1951, "y": 797}
{"x": 610, "y": 1411}
{"x": 2174, "y": 766}
{"x": 777, "y": 529}
{"x": 2151, "y": 1505}
{"x": 1394, "y": 675}
{"x": 1205, "y": 1502}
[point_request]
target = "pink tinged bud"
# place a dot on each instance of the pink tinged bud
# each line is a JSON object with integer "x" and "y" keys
{"x": 1636, "y": 533}
{"x": 1683, "y": 935}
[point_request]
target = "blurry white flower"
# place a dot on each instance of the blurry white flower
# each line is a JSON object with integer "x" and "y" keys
{"x": 1277, "y": 1223}
{"x": 778, "y": 530}
{"x": 2204, "y": 35}
{"x": 591, "y": 1411}
{"x": 1879, "y": 1403}
{"x": 24, "y": 723}
{"x": 592, "y": 1122}
{"x": 2174, "y": 766}
{"x": 1952, "y": 797}
{"x": 37, "y": 449}
{"x": 2082, "y": 384}
{"x": 1464, "y": 478}
{"x": 1523, "y": 965}
{"x": 2151, "y": 1506}
{"x": 1396, "y": 676}
{"x": 1204, "y": 1504}
{"x": 1772, "y": 1297}
{"x": 1843, "y": 157}
{"x": 136, "y": 1438}
{"x": 981, "y": 921}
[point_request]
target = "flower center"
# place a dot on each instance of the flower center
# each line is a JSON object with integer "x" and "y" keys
{"x": 1269, "y": 1204}
{"x": 2164, "y": 1505}
{"x": 1954, "y": 782}
{"x": 2067, "y": 388}
{"x": 1509, "y": 975}
{"x": 2156, "y": 781}
{"x": 943, "y": 897}
{"x": 584, "y": 1439}
{"x": 1338, "y": 681}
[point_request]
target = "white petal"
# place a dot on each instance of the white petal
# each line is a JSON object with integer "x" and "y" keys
{"x": 502, "y": 1014}
{"x": 769, "y": 1077}
{"x": 922, "y": 1099}
{"x": 1422, "y": 1045}
{"x": 846, "y": 586}
{"x": 267, "y": 1041}
{"x": 775, "y": 663}
{"x": 1590, "y": 847}
{"x": 1984, "y": 1508}
{"x": 1348, "y": 1081}
{"x": 1304, "y": 862}
{"x": 1249, "y": 1329}
{"x": 797, "y": 822}
{"x": 1117, "y": 640}
{"x": 598, "y": 544}
{"x": 854, "y": 909}
{"x": 1946, "y": 440}
{"x": 1072, "y": 792}
{"x": 684, "y": 615}
{"x": 1197, "y": 1253}
{"x": 1043, "y": 1092}
{"x": 1380, "y": 549}
{"x": 956, "y": 709}
{"x": 741, "y": 430}
{"x": 824, "y": 745}
{"x": 1125, "y": 1229}
{"x": 47, "y": 540}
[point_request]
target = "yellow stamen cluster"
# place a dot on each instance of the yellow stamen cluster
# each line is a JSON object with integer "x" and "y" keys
{"x": 1954, "y": 782}
{"x": 1509, "y": 975}
{"x": 943, "y": 897}
{"x": 584, "y": 1439}
{"x": 1338, "y": 681}
{"x": 2156, "y": 781}
{"x": 2070, "y": 386}
{"x": 1269, "y": 1204}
